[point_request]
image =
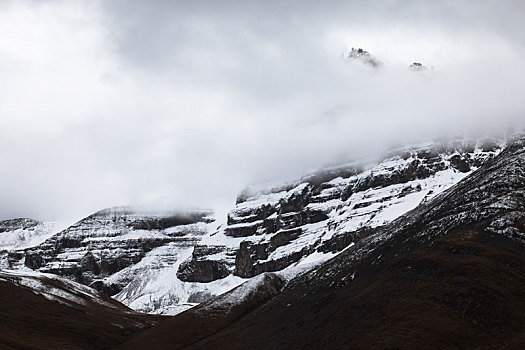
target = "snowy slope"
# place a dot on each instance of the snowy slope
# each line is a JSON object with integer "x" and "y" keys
{"x": 155, "y": 288}
{"x": 24, "y": 233}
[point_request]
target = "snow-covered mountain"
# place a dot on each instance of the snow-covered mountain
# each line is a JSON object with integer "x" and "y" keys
{"x": 165, "y": 262}
{"x": 448, "y": 274}
{"x": 429, "y": 237}
{"x": 288, "y": 227}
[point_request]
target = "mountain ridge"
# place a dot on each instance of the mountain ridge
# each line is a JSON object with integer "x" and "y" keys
{"x": 447, "y": 274}
{"x": 156, "y": 263}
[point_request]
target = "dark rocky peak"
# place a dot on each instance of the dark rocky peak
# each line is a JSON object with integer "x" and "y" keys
{"x": 418, "y": 67}
{"x": 363, "y": 56}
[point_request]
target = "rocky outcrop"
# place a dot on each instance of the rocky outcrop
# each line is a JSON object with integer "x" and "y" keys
{"x": 176, "y": 219}
{"x": 417, "y": 67}
{"x": 341, "y": 240}
{"x": 250, "y": 257}
{"x": 460, "y": 163}
{"x": 363, "y": 56}
{"x": 248, "y": 265}
{"x": 204, "y": 270}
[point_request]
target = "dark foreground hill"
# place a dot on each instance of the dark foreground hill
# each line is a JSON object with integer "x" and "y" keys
{"x": 449, "y": 274}
{"x": 40, "y": 311}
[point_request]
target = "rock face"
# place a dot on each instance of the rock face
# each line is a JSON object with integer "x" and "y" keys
{"x": 449, "y": 272}
{"x": 203, "y": 270}
{"x": 323, "y": 213}
{"x": 99, "y": 246}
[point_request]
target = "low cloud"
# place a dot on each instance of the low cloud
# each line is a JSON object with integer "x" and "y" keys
{"x": 166, "y": 103}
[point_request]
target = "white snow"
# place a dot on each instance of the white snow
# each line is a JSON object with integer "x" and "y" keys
{"x": 306, "y": 264}
{"x": 30, "y": 237}
{"x": 155, "y": 288}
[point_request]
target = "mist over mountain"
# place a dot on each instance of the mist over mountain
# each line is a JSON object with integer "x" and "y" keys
{"x": 244, "y": 174}
{"x": 129, "y": 103}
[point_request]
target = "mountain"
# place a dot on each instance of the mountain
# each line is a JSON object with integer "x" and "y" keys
{"x": 448, "y": 274}
{"x": 423, "y": 248}
{"x": 45, "y": 311}
{"x": 166, "y": 262}
{"x": 112, "y": 248}
{"x": 291, "y": 227}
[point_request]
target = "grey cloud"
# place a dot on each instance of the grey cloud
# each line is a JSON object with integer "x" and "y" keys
{"x": 184, "y": 103}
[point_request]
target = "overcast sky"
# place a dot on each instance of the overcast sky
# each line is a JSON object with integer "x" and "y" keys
{"x": 183, "y": 103}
